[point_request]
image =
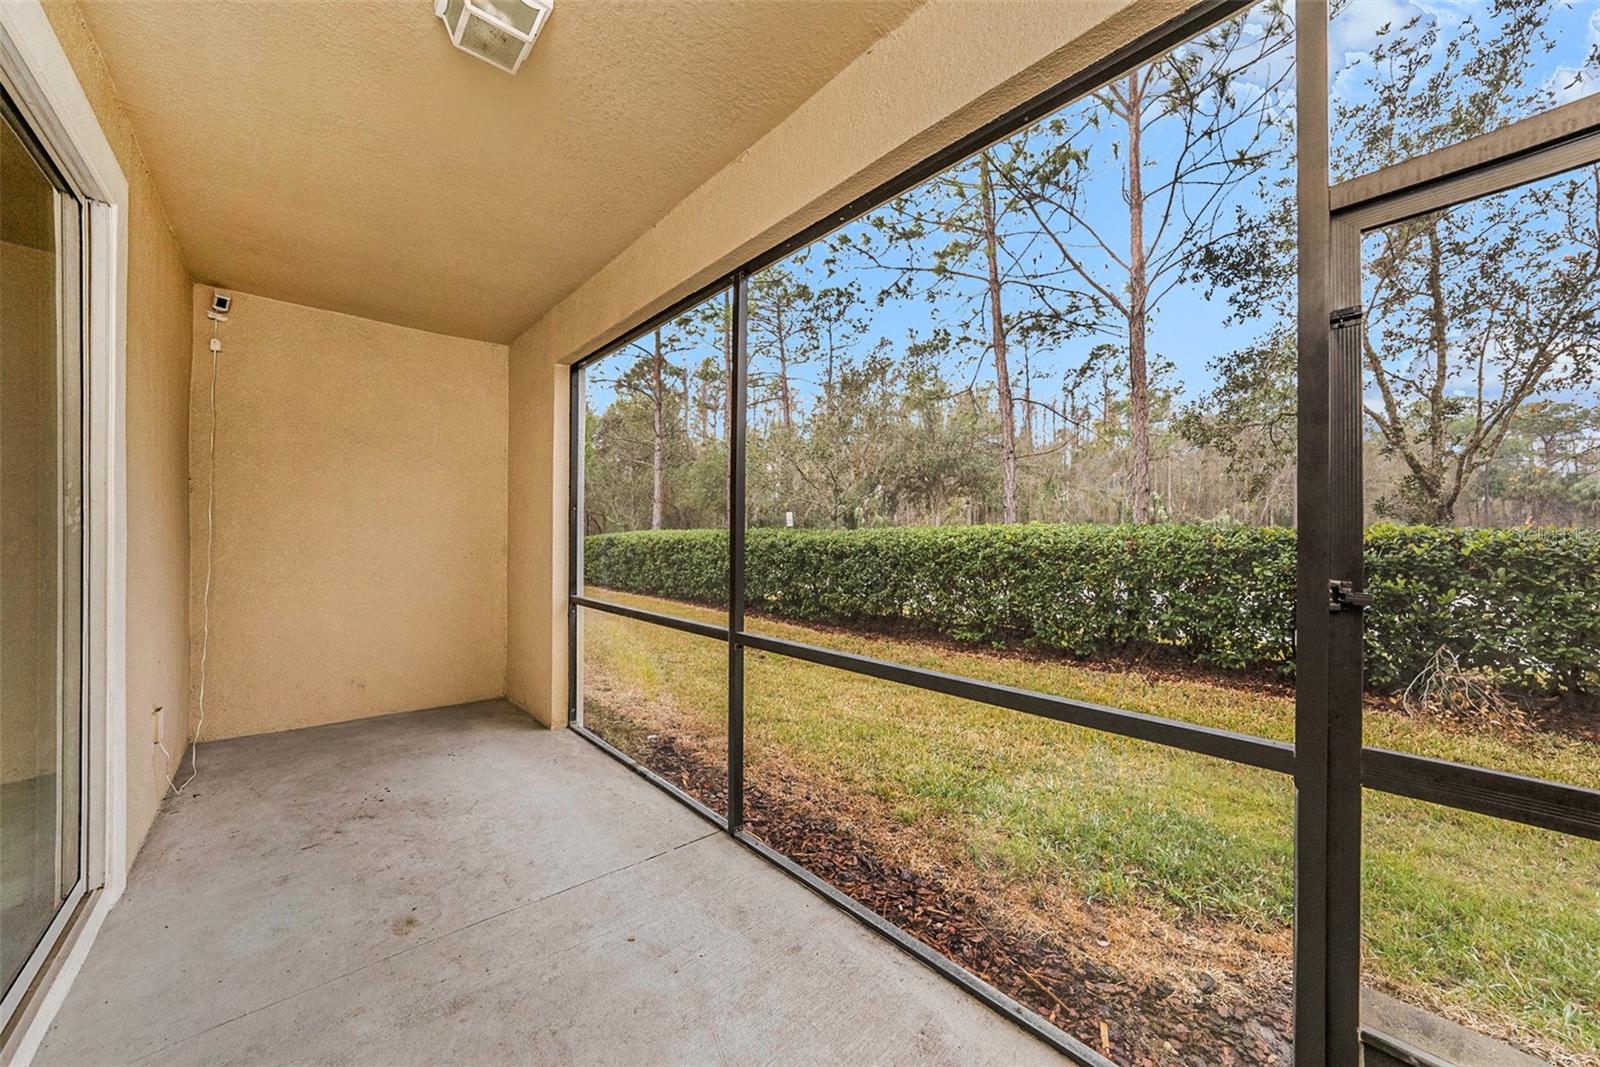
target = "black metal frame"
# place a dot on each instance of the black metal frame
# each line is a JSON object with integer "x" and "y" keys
{"x": 1328, "y": 762}
{"x": 738, "y": 425}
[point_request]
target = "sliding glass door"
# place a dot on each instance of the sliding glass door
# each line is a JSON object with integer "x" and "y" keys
{"x": 41, "y": 553}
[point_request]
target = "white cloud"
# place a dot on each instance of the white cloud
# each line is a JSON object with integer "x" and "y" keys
{"x": 1353, "y": 35}
{"x": 1567, "y": 84}
{"x": 1451, "y": 12}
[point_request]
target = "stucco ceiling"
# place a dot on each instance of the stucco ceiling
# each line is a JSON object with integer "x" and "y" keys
{"x": 343, "y": 155}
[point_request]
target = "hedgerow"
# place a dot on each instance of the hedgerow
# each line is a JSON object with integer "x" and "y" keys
{"x": 1521, "y": 604}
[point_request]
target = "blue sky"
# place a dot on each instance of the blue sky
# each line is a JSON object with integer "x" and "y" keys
{"x": 1187, "y": 330}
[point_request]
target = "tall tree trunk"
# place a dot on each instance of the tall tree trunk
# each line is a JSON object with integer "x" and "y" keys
{"x": 785, "y": 402}
{"x": 710, "y": 404}
{"x": 728, "y": 377}
{"x": 658, "y": 444}
{"x": 1108, "y": 416}
{"x": 827, "y": 379}
{"x": 1442, "y": 498}
{"x": 693, "y": 419}
{"x": 1138, "y": 297}
{"x": 997, "y": 339}
{"x": 1027, "y": 401}
{"x": 730, "y": 380}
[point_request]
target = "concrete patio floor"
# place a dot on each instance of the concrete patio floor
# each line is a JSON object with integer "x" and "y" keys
{"x": 460, "y": 886}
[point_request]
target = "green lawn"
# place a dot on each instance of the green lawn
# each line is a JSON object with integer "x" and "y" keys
{"x": 1495, "y": 924}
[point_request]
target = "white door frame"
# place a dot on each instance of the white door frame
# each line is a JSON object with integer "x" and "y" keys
{"x": 40, "y": 80}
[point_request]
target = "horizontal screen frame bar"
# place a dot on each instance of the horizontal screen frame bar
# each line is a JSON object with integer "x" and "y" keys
{"x": 709, "y": 630}
{"x": 1537, "y": 147}
{"x": 1203, "y": 740}
{"x": 1538, "y": 802}
{"x": 1568, "y": 809}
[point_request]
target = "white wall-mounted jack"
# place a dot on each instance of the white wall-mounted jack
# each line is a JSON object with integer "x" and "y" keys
{"x": 221, "y": 304}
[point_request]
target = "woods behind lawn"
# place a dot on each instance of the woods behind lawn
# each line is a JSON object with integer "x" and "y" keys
{"x": 1492, "y": 923}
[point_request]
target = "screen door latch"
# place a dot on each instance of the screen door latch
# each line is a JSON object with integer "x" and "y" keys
{"x": 1342, "y": 596}
{"x": 1343, "y": 317}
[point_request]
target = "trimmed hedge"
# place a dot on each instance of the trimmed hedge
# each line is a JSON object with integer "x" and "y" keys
{"x": 1523, "y": 604}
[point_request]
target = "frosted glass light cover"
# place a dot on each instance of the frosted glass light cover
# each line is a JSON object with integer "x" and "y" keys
{"x": 451, "y": 11}
{"x": 490, "y": 41}
{"x": 499, "y": 32}
{"x": 521, "y": 17}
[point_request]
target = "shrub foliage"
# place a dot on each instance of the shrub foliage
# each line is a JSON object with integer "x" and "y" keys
{"x": 1521, "y": 605}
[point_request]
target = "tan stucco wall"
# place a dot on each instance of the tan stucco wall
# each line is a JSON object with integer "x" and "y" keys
{"x": 158, "y": 357}
{"x": 360, "y": 518}
{"x": 952, "y": 66}
{"x": 536, "y": 677}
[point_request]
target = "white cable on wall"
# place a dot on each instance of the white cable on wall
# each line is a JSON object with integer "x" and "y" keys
{"x": 205, "y": 596}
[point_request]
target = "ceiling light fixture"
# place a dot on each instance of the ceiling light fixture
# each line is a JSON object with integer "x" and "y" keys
{"x": 496, "y": 31}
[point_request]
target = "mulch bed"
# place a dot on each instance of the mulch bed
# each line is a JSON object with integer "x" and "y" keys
{"x": 1134, "y": 1022}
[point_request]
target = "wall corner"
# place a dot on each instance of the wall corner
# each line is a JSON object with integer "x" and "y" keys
{"x": 536, "y": 573}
